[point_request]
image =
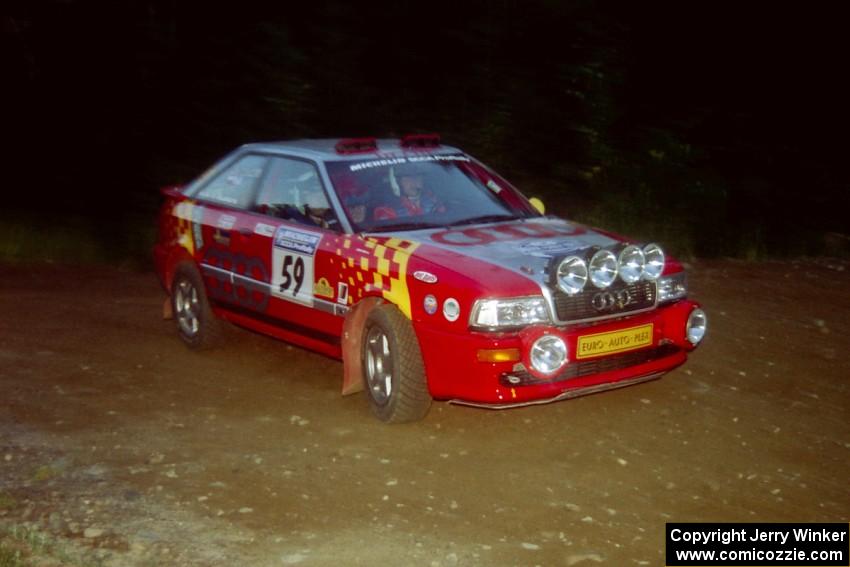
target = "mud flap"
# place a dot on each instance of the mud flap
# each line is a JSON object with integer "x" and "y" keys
{"x": 167, "y": 310}
{"x": 352, "y": 334}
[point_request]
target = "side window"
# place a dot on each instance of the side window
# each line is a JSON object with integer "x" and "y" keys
{"x": 235, "y": 185}
{"x": 293, "y": 191}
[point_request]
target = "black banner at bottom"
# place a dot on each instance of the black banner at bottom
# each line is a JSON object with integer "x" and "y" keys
{"x": 745, "y": 544}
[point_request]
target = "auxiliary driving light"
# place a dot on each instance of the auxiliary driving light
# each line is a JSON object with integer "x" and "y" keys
{"x": 631, "y": 264}
{"x": 548, "y": 354}
{"x": 654, "y": 266}
{"x": 603, "y": 268}
{"x": 696, "y": 326}
{"x": 572, "y": 275}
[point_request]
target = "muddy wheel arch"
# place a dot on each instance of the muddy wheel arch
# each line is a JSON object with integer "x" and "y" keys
{"x": 352, "y": 335}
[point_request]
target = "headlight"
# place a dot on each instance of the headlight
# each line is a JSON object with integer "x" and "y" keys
{"x": 548, "y": 354}
{"x": 672, "y": 287}
{"x": 696, "y": 326}
{"x": 603, "y": 268}
{"x": 513, "y": 312}
{"x": 654, "y": 256}
{"x": 631, "y": 263}
{"x": 572, "y": 275}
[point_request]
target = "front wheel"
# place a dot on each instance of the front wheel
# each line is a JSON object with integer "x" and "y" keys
{"x": 392, "y": 366}
{"x": 197, "y": 326}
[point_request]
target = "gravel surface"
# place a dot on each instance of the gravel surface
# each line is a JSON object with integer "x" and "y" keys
{"x": 118, "y": 446}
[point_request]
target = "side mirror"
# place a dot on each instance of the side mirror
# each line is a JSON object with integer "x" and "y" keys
{"x": 538, "y": 204}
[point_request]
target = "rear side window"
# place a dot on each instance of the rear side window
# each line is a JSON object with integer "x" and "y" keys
{"x": 293, "y": 191}
{"x": 235, "y": 185}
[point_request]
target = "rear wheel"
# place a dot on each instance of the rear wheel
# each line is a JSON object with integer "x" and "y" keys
{"x": 197, "y": 326}
{"x": 392, "y": 366}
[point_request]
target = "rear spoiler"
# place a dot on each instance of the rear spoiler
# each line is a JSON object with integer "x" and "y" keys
{"x": 172, "y": 191}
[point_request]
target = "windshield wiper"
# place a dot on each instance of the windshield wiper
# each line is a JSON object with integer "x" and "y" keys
{"x": 483, "y": 219}
{"x": 412, "y": 225}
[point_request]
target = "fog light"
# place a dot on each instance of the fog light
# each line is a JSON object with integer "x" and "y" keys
{"x": 695, "y": 328}
{"x": 548, "y": 354}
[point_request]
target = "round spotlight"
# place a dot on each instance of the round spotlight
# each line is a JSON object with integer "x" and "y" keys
{"x": 654, "y": 266}
{"x": 696, "y": 326}
{"x": 548, "y": 354}
{"x": 572, "y": 275}
{"x": 631, "y": 263}
{"x": 603, "y": 268}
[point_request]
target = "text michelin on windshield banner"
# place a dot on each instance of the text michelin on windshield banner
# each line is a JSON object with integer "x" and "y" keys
{"x": 739, "y": 545}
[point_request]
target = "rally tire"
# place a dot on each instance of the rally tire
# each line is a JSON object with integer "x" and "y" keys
{"x": 197, "y": 326}
{"x": 395, "y": 381}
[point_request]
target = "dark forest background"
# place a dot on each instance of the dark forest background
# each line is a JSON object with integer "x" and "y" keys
{"x": 717, "y": 129}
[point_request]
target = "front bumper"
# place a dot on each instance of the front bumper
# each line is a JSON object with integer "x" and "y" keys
{"x": 461, "y": 378}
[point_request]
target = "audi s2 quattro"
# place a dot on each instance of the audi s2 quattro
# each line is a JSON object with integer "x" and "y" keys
{"x": 425, "y": 271}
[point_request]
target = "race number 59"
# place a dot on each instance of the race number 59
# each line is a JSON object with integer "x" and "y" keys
{"x": 293, "y": 258}
{"x": 293, "y": 277}
{"x": 292, "y": 273}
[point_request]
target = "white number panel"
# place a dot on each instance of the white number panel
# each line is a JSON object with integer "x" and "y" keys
{"x": 293, "y": 259}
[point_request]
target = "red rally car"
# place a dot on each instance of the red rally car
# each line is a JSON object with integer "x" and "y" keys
{"x": 426, "y": 272}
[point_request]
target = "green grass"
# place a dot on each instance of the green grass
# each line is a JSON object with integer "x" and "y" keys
{"x": 24, "y": 546}
{"x": 43, "y": 473}
{"x": 6, "y": 501}
{"x": 11, "y": 557}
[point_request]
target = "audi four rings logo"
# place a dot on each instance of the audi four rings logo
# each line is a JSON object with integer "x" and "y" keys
{"x": 607, "y": 300}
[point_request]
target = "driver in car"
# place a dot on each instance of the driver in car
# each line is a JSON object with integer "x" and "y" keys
{"x": 408, "y": 182}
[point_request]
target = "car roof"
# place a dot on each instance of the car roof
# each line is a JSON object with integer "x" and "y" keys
{"x": 324, "y": 149}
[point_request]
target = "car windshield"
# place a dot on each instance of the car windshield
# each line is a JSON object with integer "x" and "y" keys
{"x": 423, "y": 191}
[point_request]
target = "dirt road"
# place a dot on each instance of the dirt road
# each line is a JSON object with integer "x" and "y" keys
{"x": 118, "y": 446}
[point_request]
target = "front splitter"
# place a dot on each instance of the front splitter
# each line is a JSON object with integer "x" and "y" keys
{"x": 566, "y": 395}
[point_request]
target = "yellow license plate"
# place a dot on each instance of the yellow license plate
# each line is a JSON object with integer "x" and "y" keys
{"x": 614, "y": 341}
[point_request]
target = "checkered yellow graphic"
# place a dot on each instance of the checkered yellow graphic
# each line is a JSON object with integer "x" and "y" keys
{"x": 183, "y": 213}
{"x": 381, "y": 266}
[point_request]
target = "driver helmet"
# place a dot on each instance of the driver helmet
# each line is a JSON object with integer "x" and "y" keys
{"x": 397, "y": 172}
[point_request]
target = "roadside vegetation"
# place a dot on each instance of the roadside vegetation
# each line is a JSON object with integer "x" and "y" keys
{"x": 75, "y": 238}
{"x": 612, "y": 116}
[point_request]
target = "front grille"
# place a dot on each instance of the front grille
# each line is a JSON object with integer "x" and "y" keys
{"x": 581, "y": 307}
{"x": 590, "y": 367}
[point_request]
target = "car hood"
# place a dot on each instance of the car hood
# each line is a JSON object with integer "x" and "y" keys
{"x": 525, "y": 246}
